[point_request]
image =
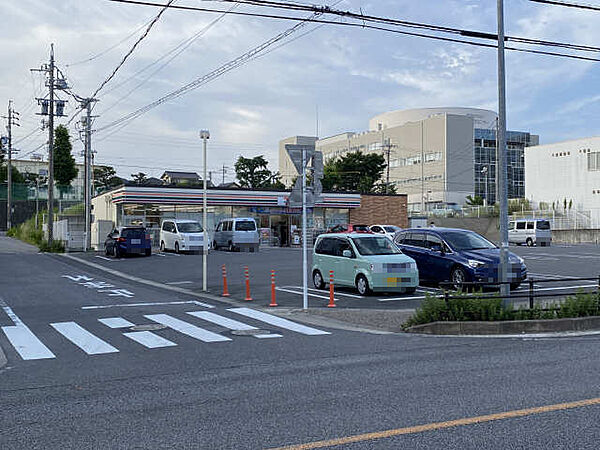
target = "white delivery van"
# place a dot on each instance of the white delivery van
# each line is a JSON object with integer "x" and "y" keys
{"x": 182, "y": 236}
{"x": 240, "y": 233}
{"x": 530, "y": 232}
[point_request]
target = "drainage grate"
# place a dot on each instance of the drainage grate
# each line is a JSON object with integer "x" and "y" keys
{"x": 250, "y": 332}
{"x": 148, "y": 327}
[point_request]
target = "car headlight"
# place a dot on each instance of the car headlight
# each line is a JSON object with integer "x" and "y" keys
{"x": 475, "y": 264}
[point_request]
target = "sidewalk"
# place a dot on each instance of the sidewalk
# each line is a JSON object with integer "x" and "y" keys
{"x": 10, "y": 245}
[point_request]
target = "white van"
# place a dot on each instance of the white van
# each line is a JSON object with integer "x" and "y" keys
{"x": 530, "y": 232}
{"x": 182, "y": 236}
{"x": 240, "y": 233}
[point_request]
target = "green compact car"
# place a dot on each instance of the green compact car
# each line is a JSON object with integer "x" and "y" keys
{"x": 369, "y": 262}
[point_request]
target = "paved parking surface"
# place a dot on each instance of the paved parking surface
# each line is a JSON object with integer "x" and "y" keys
{"x": 185, "y": 270}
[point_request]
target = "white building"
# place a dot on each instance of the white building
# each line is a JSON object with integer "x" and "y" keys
{"x": 565, "y": 170}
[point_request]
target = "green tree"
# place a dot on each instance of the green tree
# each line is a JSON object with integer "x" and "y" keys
{"x": 139, "y": 178}
{"x": 64, "y": 163}
{"x": 105, "y": 177}
{"x": 356, "y": 171}
{"x": 476, "y": 200}
{"x": 570, "y": 204}
{"x": 253, "y": 173}
{"x": 17, "y": 177}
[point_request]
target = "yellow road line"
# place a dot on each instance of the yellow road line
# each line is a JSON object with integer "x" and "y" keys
{"x": 442, "y": 425}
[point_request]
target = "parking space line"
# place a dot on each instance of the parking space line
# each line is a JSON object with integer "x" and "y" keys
{"x": 104, "y": 258}
{"x": 180, "y": 282}
{"x": 300, "y": 293}
{"x": 322, "y": 290}
{"x": 393, "y": 299}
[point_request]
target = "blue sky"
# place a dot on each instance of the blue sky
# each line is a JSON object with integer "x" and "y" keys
{"x": 349, "y": 74}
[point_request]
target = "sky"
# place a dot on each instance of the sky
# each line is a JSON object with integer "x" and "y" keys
{"x": 341, "y": 75}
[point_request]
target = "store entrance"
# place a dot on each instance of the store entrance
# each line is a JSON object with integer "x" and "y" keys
{"x": 280, "y": 228}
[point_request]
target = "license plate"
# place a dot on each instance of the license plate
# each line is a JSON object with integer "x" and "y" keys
{"x": 136, "y": 241}
{"x": 395, "y": 280}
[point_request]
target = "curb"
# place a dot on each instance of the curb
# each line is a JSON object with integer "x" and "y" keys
{"x": 509, "y": 327}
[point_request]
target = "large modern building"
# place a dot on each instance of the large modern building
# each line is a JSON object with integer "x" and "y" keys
{"x": 435, "y": 155}
{"x": 568, "y": 170}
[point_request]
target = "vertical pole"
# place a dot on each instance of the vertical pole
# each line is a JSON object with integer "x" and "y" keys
{"x": 304, "y": 261}
{"x": 37, "y": 196}
{"x": 504, "y": 287}
{"x": 9, "y": 169}
{"x": 422, "y": 170}
{"x": 51, "y": 147}
{"x": 88, "y": 175}
{"x": 531, "y": 293}
{"x": 204, "y": 217}
{"x": 486, "y": 188}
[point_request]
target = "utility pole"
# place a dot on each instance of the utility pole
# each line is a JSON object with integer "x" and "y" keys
{"x": 51, "y": 148}
{"x": 87, "y": 182}
{"x": 387, "y": 149}
{"x": 422, "y": 170}
{"x": 224, "y": 170}
{"x": 504, "y": 287}
{"x": 12, "y": 120}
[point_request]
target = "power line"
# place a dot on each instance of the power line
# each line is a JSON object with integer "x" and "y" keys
{"x": 132, "y": 49}
{"x": 320, "y": 10}
{"x": 568, "y": 4}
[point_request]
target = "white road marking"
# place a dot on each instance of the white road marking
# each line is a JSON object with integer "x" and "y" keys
{"x": 122, "y": 305}
{"x": 562, "y": 288}
{"x": 180, "y": 282}
{"x": 393, "y": 299}
{"x": 83, "y": 339}
{"x": 27, "y": 345}
{"x": 104, "y": 258}
{"x": 229, "y": 323}
{"x": 149, "y": 339}
{"x": 300, "y": 293}
{"x": 159, "y": 254}
{"x": 187, "y": 328}
{"x": 550, "y": 275}
{"x": 278, "y": 321}
{"x": 116, "y": 322}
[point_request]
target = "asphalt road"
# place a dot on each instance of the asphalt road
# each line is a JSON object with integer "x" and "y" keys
{"x": 247, "y": 393}
{"x": 544, "y": 263}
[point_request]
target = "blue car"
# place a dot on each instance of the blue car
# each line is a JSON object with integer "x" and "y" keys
{"x": 458, "y": 256}
{"x": 132, "y": 240}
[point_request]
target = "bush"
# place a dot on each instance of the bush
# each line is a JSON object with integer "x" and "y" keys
{"x": 476, "y": 307}
{"x": 28, "y": 232}
{"x": 55, "y": 247}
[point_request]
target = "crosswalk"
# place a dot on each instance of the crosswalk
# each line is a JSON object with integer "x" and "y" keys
{"x": 202, "y": 326}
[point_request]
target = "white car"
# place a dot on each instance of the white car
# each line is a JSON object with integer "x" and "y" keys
{"x": 388, "y": 230}
{"x": 182, "y": 236}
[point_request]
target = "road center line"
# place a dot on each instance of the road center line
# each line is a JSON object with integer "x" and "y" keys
{"x": 443, "y": 425}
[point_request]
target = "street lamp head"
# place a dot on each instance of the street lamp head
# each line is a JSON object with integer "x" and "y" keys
{"x": 484, "y": 170}
{"x": 204, "y": 134}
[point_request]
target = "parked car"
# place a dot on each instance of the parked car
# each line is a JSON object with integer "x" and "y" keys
{"x": 182, "y": 236}
{"x": 128, "y": 241}
{"x": 388, "y": 230}
{"x": 368, "y": 262}
{"x": 446, "y": 210}
{"x": 236, "y": 234}
{"x": 349, "y": 228}
{"x": 530, "y": 231}
{"x": 458, "y": 256}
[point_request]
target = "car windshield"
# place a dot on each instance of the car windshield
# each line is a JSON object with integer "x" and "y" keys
{"x": 467, "y": 240}
{"x": 245, "y": 225}
{"x": 190, "y": 227}
{"x": 543, "y": 225}
{"x": 133, "y": 233}
{"x": 375, "y": 246}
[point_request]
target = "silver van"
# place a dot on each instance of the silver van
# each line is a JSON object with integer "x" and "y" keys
{"x": 530, "y": 232}
{"x": 240, "y": 233}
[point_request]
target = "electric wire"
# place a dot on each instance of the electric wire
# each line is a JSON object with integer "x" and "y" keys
{"x": 569, "y": 4}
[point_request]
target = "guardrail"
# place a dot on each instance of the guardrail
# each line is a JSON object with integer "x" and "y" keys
{"x": 531, "y": 294}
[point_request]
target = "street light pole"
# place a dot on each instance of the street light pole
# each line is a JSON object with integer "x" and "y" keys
{"x": 204, "y": 135}
{"x": 484, "y": 170}
{"x": 304, "y": 255}
{"x": 502, "y": 172}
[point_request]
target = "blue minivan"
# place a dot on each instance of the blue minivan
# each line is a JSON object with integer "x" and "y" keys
{"x": 458, "y": 256}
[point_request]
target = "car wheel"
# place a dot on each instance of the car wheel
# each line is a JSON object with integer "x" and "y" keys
{"x": 410, "y": 290}
{"x": 458, "y": 278}
{"x": 318, "y": 280}
{"x": 362, "y": 285}
{"x": 514, "y": 286}
{"x": 115, "y": 252}
{"x": 177, "y": 247}
{"x": 214, "y": 245}
{"x": 148, "y": 252}
{"x": 529, "y": 242}
{"x": 106, "y": 250}
{"x": 162, "y": 246}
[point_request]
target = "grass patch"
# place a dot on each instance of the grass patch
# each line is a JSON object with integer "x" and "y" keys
{"x": 28, "y": 232}
{"x": 476, "y": 307}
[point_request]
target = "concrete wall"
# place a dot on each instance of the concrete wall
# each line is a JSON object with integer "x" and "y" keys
{"x": 576, "y": 236}
{"x": 381, "y": 209}
{"x": 486, "y": 226}
{"x": 554, "y": 172}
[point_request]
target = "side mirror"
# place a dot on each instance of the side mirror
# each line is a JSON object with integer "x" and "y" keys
{"x": 347, "y": 254}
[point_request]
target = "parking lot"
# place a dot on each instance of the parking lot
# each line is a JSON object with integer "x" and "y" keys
{"x": 185, "y": 270}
